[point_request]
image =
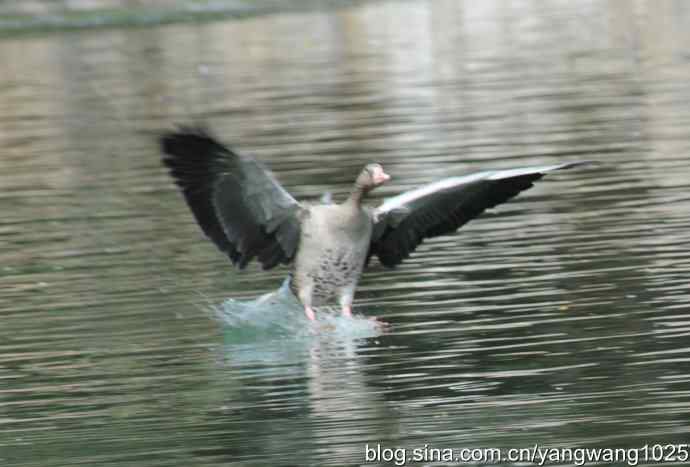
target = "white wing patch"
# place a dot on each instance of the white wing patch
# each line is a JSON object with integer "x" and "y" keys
{"x": 502, "y": 174}
{"x": 408, "y": 196}
{"x": 452, "y": 182}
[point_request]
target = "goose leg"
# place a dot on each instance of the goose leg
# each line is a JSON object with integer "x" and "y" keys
{"x": 304, "y": 295}
{"x": 346, "y": 302}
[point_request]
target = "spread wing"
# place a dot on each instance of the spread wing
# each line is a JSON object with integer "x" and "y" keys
{"x": 235, "y": 200}
{"x": 439, "y": 208}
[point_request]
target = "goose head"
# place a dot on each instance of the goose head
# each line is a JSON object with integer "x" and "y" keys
{"x": 371, "y": 176}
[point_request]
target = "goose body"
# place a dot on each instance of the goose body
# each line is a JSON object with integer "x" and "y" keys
{"x": 333, "y": 247}
{"x": 249, "y": 215}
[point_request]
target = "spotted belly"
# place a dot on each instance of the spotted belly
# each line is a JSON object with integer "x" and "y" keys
{"x": 337, "y": 271}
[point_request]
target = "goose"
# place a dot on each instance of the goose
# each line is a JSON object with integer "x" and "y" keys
{"x": 248, "y": 215}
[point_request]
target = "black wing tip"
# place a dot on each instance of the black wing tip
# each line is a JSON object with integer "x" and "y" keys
{"x": 176, "y": 142}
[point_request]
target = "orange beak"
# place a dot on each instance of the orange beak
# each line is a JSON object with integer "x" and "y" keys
{"x": 381, "y": 177}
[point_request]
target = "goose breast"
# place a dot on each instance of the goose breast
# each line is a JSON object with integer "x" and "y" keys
{"x": 333, "y": 247}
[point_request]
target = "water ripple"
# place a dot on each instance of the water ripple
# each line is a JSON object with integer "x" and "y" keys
{"x": 558, "y": 318}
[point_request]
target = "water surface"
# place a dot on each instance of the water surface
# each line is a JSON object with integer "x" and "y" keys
{"x": 561, "y": 318}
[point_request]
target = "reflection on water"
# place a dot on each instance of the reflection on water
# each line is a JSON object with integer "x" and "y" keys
{"x": 561, "y": 318}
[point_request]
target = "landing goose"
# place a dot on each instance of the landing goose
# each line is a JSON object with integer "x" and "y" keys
{"x": 243, "y": 209}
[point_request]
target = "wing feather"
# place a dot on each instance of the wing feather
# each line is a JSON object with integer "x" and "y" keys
{"x": 442, "y": 207}
{"x": 239, "y": 205}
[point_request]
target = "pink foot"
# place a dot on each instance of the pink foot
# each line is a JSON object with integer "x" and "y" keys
{"x": 347, "y": 311}
{"x": 310, "y": 313}
{"x": 379, "y": 322}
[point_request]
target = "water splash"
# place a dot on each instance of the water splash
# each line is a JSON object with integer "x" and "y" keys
{"x": 279, "y": 315}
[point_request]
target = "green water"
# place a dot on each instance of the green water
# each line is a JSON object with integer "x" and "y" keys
{"x": 35, "y": 16}
{"x": 561, "y": 318}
